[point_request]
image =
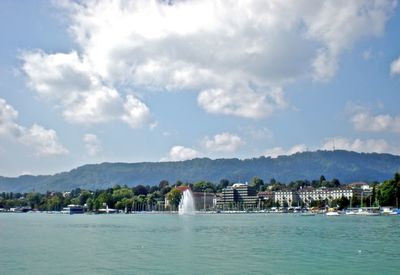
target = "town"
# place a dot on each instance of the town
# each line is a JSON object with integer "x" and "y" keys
{"x": 224, "y": 197}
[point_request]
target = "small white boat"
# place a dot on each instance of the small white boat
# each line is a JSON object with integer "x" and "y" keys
{"x": 351, "y": 212}
{"x": 332, "y": 213}
{"x": 363, "y": 212}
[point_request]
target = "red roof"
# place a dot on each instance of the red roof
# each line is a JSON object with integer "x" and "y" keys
{"x": 182, "y": 188}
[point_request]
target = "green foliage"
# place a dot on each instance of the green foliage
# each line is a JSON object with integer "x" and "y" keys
{"x": 257, "y": 183}
{"x": 346, "y": 166}
{"x": 204, "y": 186}
{"x": 174, "y": 197}
{"x": 389, "y": 192}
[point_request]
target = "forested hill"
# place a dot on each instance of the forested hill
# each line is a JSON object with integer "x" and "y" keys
{"x": 344, "y": 165}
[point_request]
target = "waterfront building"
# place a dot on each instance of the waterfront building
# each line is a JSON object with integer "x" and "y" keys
{"x": 361, "y": 189}
{"x": 73, "y": 209}
{"x": 238, "y": 196}
{"x": 309, "y": 194}
{"x": 204, "y": 200}
{"x": 286, "y": 198}
{"x": 266, "y": 195}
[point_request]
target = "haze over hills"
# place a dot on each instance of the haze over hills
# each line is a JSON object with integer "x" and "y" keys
{"x": 344, "y": 165}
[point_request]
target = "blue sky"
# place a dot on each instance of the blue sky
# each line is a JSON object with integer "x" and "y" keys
{"x": 136, "y": 81}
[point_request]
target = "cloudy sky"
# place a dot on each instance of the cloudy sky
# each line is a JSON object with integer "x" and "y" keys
{"x": 134, "y": 81}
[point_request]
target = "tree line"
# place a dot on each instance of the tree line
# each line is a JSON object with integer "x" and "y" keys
{"x": 148, "y": 198}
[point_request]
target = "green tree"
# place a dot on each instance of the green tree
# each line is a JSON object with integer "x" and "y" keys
{"x": 174, "y": 197}
{"x": 54, "y": 203}
{"x": 140, "y": 190}
{"x": 34, "y": 199}
{"x": 257, "y": 183}
{"x": 84, "y": 196}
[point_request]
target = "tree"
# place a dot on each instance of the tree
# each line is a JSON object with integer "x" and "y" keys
{"x": 335, "y": 183}
{"x": 140, "y": 190}
{"x": 343, "y": 203}
{"x": 163, "y": 184}
{"x": 174, "y": 197}
{"x": 221, "y": 185}
{"x": 389, "y": 192}
{"x": 34, "y": 199}
{"x": 84, "y": 196}
{"x": 257, "y": 183}
{"x": 204, "y": 186}
{"x": 54, "y": 203}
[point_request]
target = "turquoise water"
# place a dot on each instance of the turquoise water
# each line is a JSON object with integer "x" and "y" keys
{"x": 201, "y": 244}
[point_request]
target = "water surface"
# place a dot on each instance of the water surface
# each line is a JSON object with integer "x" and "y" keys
{"x": 200, "y": 244}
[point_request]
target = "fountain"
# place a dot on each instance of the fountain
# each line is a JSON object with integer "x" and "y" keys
{"x": 186, "y": 205}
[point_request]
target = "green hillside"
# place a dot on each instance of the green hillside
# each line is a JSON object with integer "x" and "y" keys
{"x": 344, "y": 165}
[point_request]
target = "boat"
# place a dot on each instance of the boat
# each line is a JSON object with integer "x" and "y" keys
{"x": 389, "y": 211}
{"x": 351, "y": 212}
{"x": 362, "y": 212}
{"x": 332, "y": 213}
{"x": 73, "y": 209}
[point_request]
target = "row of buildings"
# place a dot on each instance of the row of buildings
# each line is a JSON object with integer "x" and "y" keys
{"x": 247, "y": 197}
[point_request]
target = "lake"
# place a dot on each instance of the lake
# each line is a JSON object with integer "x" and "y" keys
{"x": 38, "y": 243}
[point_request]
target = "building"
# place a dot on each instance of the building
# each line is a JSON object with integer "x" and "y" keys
{"x": 361, "y": 189}
{"x": 73, "y": 209}
{"x": 204, "y": 201}
{"x": 286, "y": 198}
{"x": 309, "y": 194}
{"x": 238, "y": 196}
{"x": 266, "y": 195}
{"x": 201, "y": 200}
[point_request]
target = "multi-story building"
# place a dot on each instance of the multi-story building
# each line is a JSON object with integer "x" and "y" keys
{"x": 308, "y": 195}
{"x": 204, "y": 201}
{"x": 286, "y": 198}
{"x": 238, "y": 196}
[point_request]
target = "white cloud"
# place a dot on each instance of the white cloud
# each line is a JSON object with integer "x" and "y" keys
{"x": 180, "y": 153}
{"x": 8, "y": 115}
{"x": 227, "y": 50}
{"x": 136, "y": 114}
{"x": 92, "y": 144}
{"x": 71, "y": 82}
{"x": 365, "y": 121}
{"x": 224, "y": 142}
{"x": 241, "y": 102}
{"x": 279, "y": 151}
{"x": 43, "y": 141}
{"x": 359, "y": 145}
{"x": 395, "y": 67}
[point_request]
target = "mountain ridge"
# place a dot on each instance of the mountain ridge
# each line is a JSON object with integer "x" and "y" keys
{"x": 347, "y": 166}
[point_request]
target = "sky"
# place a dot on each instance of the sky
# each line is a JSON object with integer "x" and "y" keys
{"x": 132, "y": 81}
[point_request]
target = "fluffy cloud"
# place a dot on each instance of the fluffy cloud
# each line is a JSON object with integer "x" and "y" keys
{"x": 233, "y": 53}
{"x": 180, "y": 153}
{"x": 395, "y": 67}
{"x": 43, "y": 141}
{"x": 72, "y": 83}
{"x": 279, "y": 151}
{"x": 241, "y": 103}
{"x": 224, "y": 142}
{"x": 365, "y": 121}
{"x": 359, "y": 145}
{"x": 92, "y": 144}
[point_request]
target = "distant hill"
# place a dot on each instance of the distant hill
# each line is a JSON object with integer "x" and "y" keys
{"x": 344, "y": 165}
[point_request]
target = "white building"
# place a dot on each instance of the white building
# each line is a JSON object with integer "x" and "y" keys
{"x": 286, "y": 196}
{"x": 309, "y": 195}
